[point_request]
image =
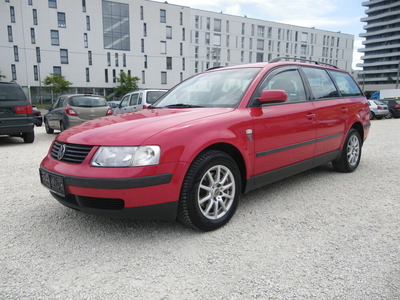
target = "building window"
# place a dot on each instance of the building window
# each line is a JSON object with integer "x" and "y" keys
{"x": 144, "y": 29}
{"x": 106, "y": 75}
{"x": 83, "y": 5}
{"x": 30, "y": 2}
{"x": 243, "y": 28}
{"x": 54, "y": 38}
{"x": 87, "y": 22}
{"x": 35, "y": 19}
{"x": 141, "y": 13}
{"x": 252, "y": 29}
{"x": 260, "y": 57}
{"x": 242, "y": 43}
{"x": 181, "y": 76}
{"x": 260, "y": 31}
{"x": 163, "y": 16}
{"x": 61, "y": 20}
{"x": 217, "y": 39}
{"x": 163, "y": 77}
{"x": 143, "y": 77}
{"x": 227, "y": 26}
{"x": 116, "y": 33}
{"x": 169, "y": 63}
{"x": 16, "y": 55}
{"x": 13, "y": 72}
{"x": 38, "y": 59}
{"x": 197, "y": 22}
{"x": 33, "y": 39}
{"x": 207, "y": 38}
{"x": 114, "y": 76}
{"x": 87, "y": 75}
{"x": 304, "y": 37}
{"x": 227, "y": 40}
{"x": 196, "y": 52}
{"x": 250, "y": 43}
{"x": 180, "y": 18}
{"x": 279, "y": 33}
{"x": 116, "y": 59}
{"x": 57, "y": 70}
{"x": 145, "y": 61}
{"x": 53, "y": 3}
{"x": 163, "y": 47}
{"x": 269, "y": 32}
{"x": 35, "y": 73}
{"x": 241, "y": 56}
{"x": 217, "y": 25}
{"x": 124, "y": 60}
{"x": 142, "y": 45}
{"x": 228, "y": 55}
{"x": 183, "y": 64}
{"x": 270, "y": 48}
{"x": 85, "y": 40}
{"x": 90, "y": 60}
{"x": 169, "y": 32}
{"x": 64, "y": 56}
{"x": 196, "y": 66}
{"x": 183, "y": 34}
{"x": 303, "y": 50}
{"x": 108, "y": 59}
{"x": 10, "y": 35}
{"x": 260, "y": 45}
{"x": 181, "y": 49}
{"x": 12, "y": 14}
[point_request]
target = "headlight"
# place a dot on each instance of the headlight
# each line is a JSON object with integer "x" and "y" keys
{"x": 126, "y": 156}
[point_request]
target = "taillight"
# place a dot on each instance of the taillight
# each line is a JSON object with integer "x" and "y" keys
{"x": 379, "y": 107}
{"x": 397, "y": 106}
{"x": 144, "y": 106}
{"x": 23, "y": 110}
{"x": 70, "y": 111}
{"x": 109, "y": 112}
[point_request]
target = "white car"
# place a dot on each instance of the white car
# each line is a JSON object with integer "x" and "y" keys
{"x": 378, "y": 109}
{"x": 138, "y": 100}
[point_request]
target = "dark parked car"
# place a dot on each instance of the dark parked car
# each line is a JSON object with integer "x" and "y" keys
{"x": 16, "y": 113}
{"x": 73, "y": 109}
{"x": 37, "y": 116}
{"x": 394, "y": 108}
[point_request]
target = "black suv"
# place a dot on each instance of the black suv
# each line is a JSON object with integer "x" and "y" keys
{"x": 394, "y": 107}
{"x": 16, "y": 113}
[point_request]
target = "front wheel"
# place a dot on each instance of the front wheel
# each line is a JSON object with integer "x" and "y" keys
{"x": 47, "y": 127}
{"x": 28, "y": 137}
{"x": 351, "y": 153}
{"x": 210, "y": 191}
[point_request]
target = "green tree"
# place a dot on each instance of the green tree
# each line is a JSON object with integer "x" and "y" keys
{"x": 2, "y": 76}
{"x": 56, "y": 83}
{"x": 127, "y": 84}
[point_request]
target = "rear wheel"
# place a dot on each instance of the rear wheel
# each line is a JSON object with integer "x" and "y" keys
{"x": 28, "y": 137}
{"x": 371, "y": 115}
{"x": 389, "y": 115}
{"x": 47, "y": 127}
{"x": 351, "y": 153}
{"x": 210, "y": 191}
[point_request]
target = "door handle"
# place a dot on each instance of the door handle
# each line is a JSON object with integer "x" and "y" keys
{"x": 310, "y": 116}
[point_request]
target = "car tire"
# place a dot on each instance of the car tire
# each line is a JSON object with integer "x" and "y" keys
{"x": 28, "y": 137}
{"x": 210, "y": 191}
{"x": 371, "y": 115}
{"x": 389, "y": 115}
{"x": 351, "y": 153}
{"x": 47, "y": 127}
{"x": 62, "y": 126}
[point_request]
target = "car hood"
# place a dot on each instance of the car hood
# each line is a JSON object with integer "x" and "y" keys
{"x": 133, "y": 128}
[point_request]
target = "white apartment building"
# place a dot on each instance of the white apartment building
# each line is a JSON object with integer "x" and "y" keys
{"x": 91, "y": 41}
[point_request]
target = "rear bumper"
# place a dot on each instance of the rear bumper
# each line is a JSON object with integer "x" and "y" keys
{"x": 15, "y": 129}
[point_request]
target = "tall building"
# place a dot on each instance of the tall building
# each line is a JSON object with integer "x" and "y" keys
{"x": 381, "y": 59}
{"x": 91, "y": 41}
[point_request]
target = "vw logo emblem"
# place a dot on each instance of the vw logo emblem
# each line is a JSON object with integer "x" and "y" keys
{"x": 61, "y": 152}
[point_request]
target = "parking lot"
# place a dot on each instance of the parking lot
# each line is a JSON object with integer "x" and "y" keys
{"x": 317, "y": 235}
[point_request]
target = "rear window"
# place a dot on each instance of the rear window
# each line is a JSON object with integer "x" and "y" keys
{"x": 11, "y": 92}
{"x": 321, "y": 84}
{"x": 85, "y": 101}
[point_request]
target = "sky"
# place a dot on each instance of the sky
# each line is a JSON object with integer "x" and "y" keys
{"x": 332, "y": 15}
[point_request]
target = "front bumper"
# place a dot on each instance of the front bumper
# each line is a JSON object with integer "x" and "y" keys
{"x": 148, "y": 195}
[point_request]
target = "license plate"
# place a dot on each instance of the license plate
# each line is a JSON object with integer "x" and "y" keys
{"x": 53, "y": 182}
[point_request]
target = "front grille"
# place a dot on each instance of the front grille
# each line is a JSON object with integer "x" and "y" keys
{"x": 75, "y": 154}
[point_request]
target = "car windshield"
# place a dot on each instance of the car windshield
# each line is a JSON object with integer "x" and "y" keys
{"x": 85, "y": 101}
{"x": 217, "y": 88}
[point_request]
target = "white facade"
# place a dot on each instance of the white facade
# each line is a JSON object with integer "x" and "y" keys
{"x": 159, "y": 43}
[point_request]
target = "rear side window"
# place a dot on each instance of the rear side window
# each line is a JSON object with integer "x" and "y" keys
{"x": 321, "y": 84}
{"x": 87, "y": 101}
{"x": 11, "y": 92}
{"x": 346, "y": 84}
{"x": 154, "y": 95}
{"x": 134, "y": 99}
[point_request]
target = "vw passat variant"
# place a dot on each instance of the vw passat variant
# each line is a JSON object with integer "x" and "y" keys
{"x": 208, "y": 140}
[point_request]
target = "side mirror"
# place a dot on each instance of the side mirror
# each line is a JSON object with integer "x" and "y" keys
{"x": 272, "y": 96}
{"x": 48, "y": 108}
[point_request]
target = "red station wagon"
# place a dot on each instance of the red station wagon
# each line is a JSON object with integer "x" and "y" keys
{"x": 208, "y": 140}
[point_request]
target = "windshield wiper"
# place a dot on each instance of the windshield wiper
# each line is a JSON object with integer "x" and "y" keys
{"x": 181, "y": 105}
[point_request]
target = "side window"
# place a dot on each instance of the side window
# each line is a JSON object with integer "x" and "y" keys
{"x": 140, "y": 98}
{"x": 321, "y": 84}
{"x": 125, "y": 101}
{"x": 346, "y": 84}
{"x": 134, "y": 99}
{"x": 290, "y": 82}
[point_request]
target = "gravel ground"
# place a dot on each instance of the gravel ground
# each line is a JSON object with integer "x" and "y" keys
{"x": 317, "y": 235}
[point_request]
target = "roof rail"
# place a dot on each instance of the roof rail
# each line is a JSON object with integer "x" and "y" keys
{"x": 277, "y": 59}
